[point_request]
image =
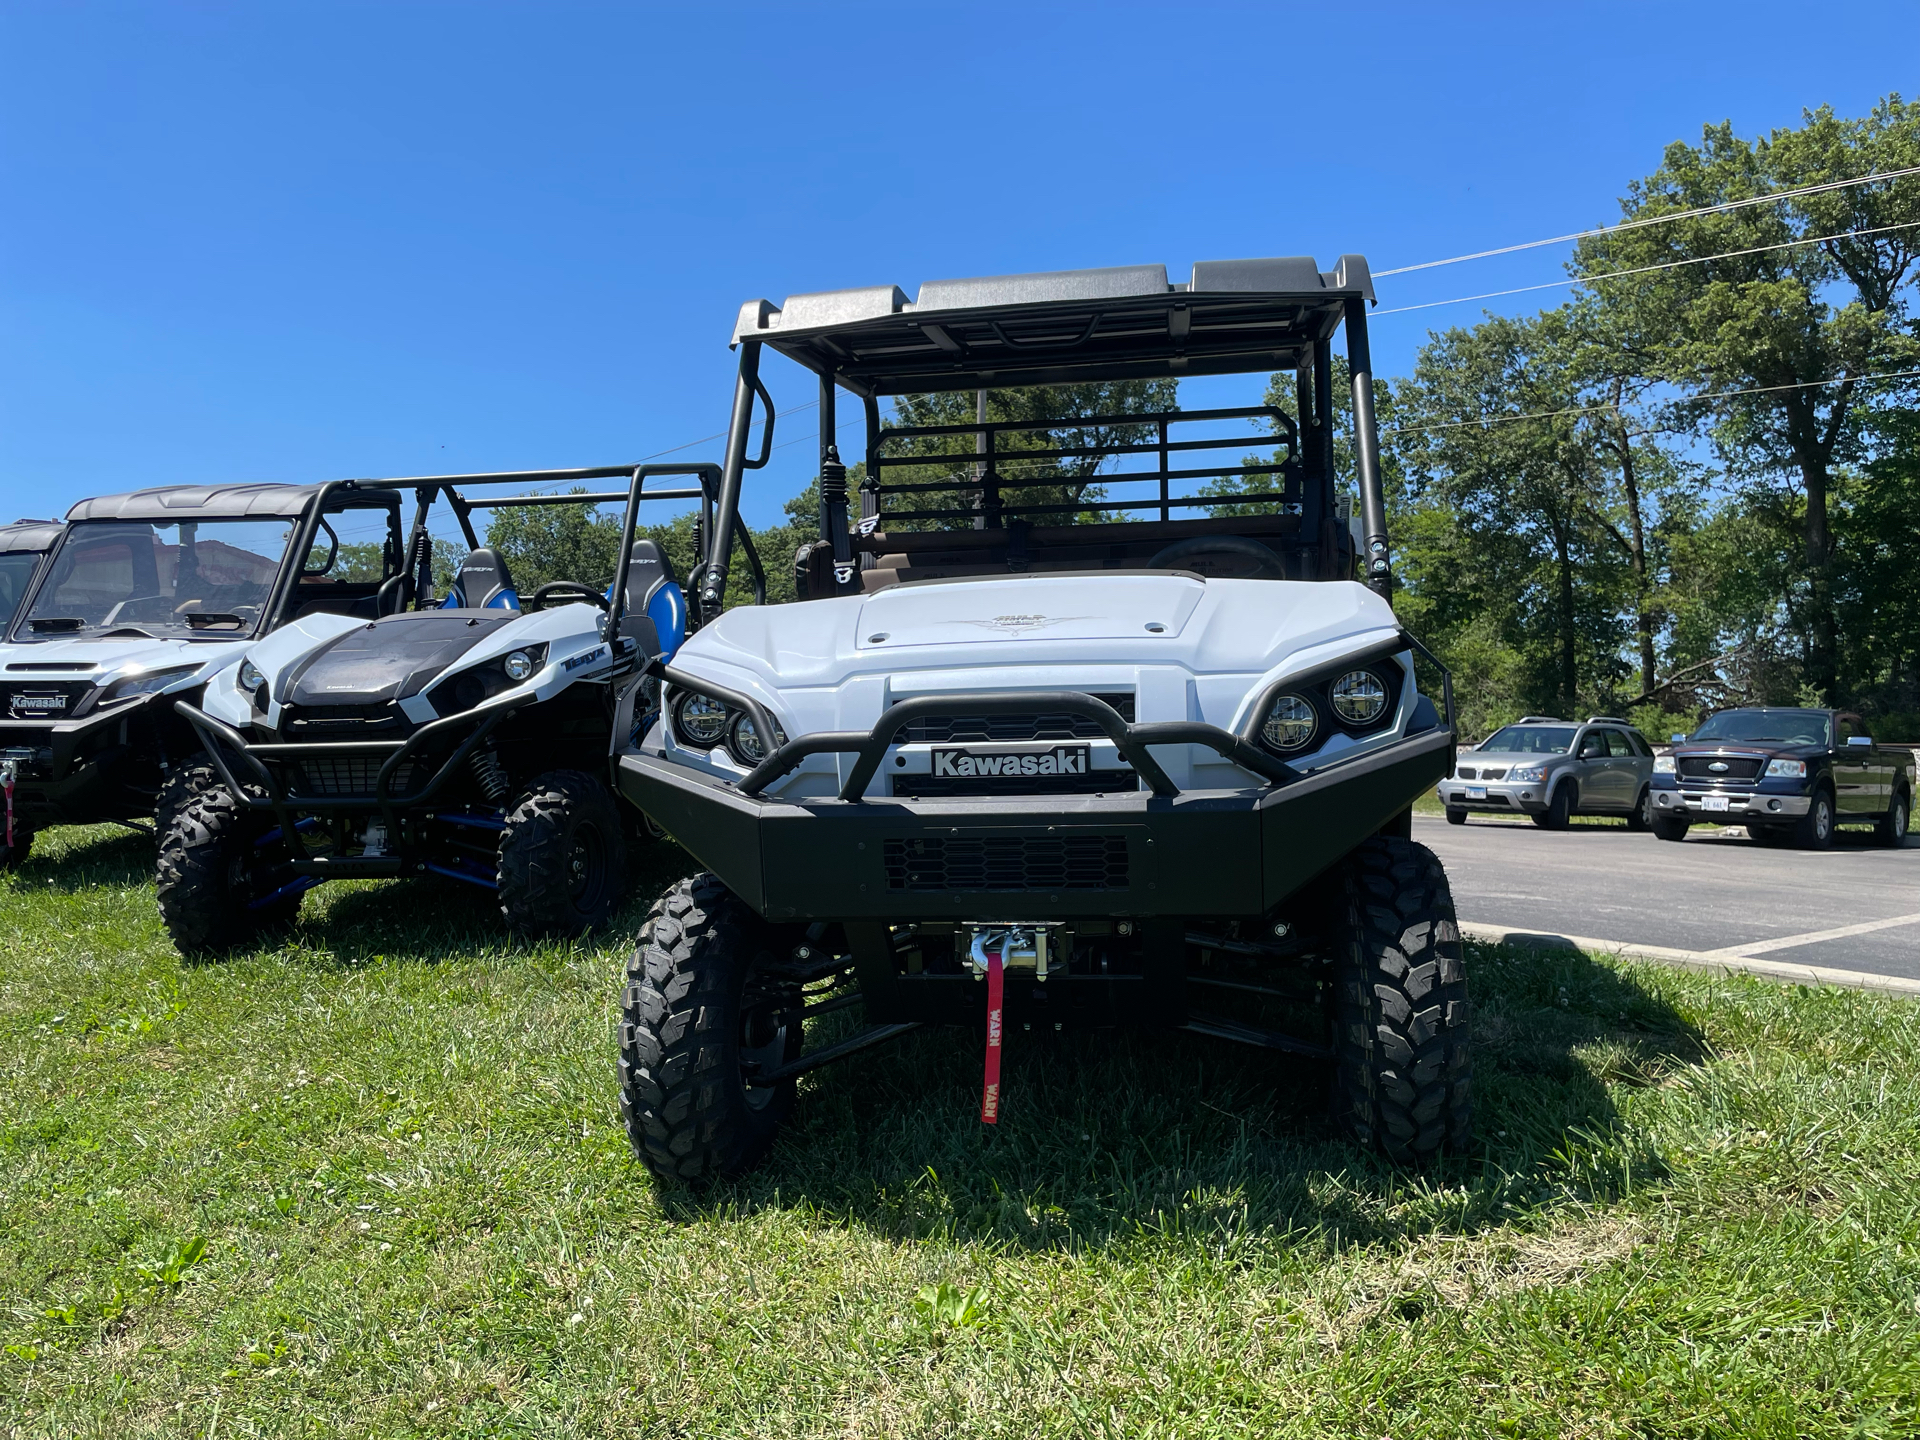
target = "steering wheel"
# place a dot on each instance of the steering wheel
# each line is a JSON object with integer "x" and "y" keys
{"x": 1226, "y": 557}
{"x": 571, "y": 589}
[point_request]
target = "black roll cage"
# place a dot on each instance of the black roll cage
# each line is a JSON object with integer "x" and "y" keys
{"x": 874, "y": 351}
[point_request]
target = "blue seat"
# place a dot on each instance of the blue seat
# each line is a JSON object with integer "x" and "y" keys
{"x": 482, "y": 583}
{"x": 654, "y": 595}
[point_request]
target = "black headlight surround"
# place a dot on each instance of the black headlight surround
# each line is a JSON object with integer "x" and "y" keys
{"x": 143, "y": 685}
{"x": 1387, "y": 676}
{"x": 735, "y": 720}
{"x": 686, "y": 739}
{"x": 1314, "y": 701}
{"x": 466, "y": 689}
{"x": 1316, "y": 686}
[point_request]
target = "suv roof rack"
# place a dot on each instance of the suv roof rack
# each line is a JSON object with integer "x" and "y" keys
{"x": 1541, "y": 720}
{"x": 1607, "y": 720}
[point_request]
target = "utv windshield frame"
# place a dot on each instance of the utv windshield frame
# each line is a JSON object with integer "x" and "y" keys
{"x": 1232, "y": 317}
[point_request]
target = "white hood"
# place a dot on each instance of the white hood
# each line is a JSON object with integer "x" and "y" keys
{"x": 1203, "y": 627}
{"x": 105, "y": 660}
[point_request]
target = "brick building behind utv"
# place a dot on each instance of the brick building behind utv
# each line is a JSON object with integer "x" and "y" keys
{"x": 1151, "y": 770}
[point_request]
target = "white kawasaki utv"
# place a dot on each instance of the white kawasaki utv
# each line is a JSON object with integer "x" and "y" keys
{"x": 1152, "y": 768}
{"x": 469, "y": 737}
{"x": 140, "y": 599}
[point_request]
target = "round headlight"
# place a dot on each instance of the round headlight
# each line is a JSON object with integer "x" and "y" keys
{"x": 1359, "y": 697}
{"x": 519, "y": 665}
{"x": 746, "y": 740}
{"x": 702, "y": 721}
{"x": 1290, "y": 723}
{"x": 250, "y": 676}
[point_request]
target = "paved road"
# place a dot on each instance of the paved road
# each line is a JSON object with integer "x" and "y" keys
{"x": 1710, "y": 892}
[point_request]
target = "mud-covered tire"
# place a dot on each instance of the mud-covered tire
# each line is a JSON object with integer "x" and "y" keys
{"x": 1560, "y": 808}
{"x": 183, "y": 784}
{"x": 15, "y": 854}
{"x": 1891, "y": 829}
{"x": 1667, "y": 827}
{"x": 1403, "y": 1065}
{"x": 211, "y": 872}
{"x": 562, "y": 858}
{"x": 695, "y": 1003}
{"x": 1455, "y": 815}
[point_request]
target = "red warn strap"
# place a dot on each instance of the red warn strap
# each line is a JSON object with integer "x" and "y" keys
{"x": 990, "y": 1089}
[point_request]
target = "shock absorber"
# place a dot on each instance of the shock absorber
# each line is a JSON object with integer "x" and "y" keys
{"x": 491, "y": 775}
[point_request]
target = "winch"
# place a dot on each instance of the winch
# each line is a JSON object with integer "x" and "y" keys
{"x": 995, "y": 948}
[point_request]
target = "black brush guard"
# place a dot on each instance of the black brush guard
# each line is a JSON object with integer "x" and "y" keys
{"x": 261, "y": 789}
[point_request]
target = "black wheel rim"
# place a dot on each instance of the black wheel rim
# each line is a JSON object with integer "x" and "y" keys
{"x": 587, "y": 869}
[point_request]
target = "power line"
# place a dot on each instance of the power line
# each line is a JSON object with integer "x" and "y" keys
{"x": 1767, "y": 199}
{"x": 1591, "y": 409}
{"x": 1649, "y": 269}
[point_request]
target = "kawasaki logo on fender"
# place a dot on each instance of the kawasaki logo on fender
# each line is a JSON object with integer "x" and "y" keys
{"x": 967, "y": 764}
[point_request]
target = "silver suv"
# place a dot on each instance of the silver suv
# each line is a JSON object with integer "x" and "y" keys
{"x": 1555, "y": 769}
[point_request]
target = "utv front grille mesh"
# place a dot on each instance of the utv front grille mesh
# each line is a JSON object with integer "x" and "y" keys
{"x": 1082, "y": 861}
{"x": 339, "y": 775}
{"x": 962, "y": 728}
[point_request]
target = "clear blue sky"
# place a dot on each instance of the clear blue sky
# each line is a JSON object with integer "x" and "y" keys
{"x": 295, "y": 241}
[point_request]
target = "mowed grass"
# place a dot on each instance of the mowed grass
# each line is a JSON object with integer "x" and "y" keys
{"x": 371, "y": 1181}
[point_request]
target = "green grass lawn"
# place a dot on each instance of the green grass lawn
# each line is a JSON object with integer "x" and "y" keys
{"x": 372, "y": 1182}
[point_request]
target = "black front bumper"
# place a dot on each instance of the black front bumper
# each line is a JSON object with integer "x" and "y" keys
{"x": 1140, "y": 854}
{"x": 73, "y": 772}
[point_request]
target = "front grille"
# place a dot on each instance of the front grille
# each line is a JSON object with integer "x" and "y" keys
{"x": 1697, "y": 767}
{"x": 339, "y": 775}
{"x": 962, "y": 728}
{"x": 43, "y": 699}
{"x": 343, "y": 722}
{"x": 1497, "y": 772}
{"x": 1094, "y": 782}
{"x": 1008, "y": 862}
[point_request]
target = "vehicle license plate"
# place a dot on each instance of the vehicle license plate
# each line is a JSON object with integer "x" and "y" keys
{"x": 1713, "y": 802}
{"x": 1476, "y": 792}
{"x": 960, "y": 764}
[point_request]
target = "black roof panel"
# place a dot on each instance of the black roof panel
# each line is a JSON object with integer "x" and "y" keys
{"x": 1062, "y": 326}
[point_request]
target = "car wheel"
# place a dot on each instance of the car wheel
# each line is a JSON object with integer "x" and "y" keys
{"x": 1641, "y": 816}
{"x": 1815, "y": 830}
{"x": 1560, "y": 808}
{"x": 1892, "y": 829}
{"x": 1403, "y": 1080}
{"x": 1455, "y": 815}
{"x": 1669, "y": 827}
{"x": 704, "y": 1011}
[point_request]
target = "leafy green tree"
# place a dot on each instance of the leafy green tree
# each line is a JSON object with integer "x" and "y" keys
{"x": 1785, "y": 303}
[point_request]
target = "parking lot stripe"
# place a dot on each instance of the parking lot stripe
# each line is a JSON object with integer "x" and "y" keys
{"x": 1812, "y": 937}
{"x": 1695, "y": 959}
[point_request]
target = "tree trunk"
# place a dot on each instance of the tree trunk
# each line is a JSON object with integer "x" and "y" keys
{"x": 1823, "y": 661}
{"x": 1642, "y": 589}
{"x": 1569, "y": 655}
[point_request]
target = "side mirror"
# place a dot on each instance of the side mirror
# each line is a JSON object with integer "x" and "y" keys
{"x": 1859, "y": 740}
{"x": 1678, "y": 739}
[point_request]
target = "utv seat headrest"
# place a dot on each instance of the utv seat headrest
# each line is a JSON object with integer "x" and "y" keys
{"x": 482, "y": 583}
{"x": 653, "y": 597}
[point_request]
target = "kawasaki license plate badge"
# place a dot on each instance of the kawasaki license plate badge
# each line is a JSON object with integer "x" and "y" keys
{"x": 956, "y": 762}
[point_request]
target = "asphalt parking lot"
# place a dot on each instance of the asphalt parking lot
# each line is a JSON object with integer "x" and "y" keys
{"x": 1715, "y": 892}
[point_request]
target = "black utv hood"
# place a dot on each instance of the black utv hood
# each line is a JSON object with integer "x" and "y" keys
{"x": 389, "y": 659}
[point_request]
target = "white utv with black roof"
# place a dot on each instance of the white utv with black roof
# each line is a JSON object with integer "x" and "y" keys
{"x": 141, "y": 597}
{"x": 468, "y": 738}
{"x": 1153, "y": 768}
